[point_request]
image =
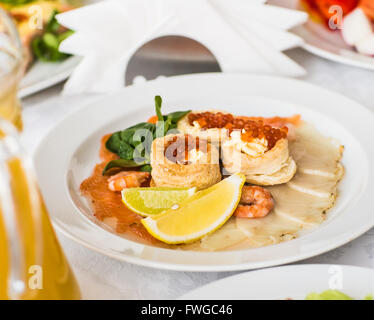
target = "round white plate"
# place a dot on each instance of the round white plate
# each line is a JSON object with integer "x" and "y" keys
{"x": 67, "y": 155}
{"x": 325, "y": 43}
{"x": 289, "y": 282}
{"x": 42, "y": 75}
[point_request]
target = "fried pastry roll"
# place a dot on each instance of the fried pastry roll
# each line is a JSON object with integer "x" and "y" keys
{"x": 181, "y": 160}
{"x": 260, "y": 152}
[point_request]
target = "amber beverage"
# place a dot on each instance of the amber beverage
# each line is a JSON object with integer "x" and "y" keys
{"x": 11, "y": 70}
{"x": 32, "y": 264}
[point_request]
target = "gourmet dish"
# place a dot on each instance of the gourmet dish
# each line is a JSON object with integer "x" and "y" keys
{"x": 211, "y": 180}
{"x": 356, "y": 25}
{"x": 39, "y": 31}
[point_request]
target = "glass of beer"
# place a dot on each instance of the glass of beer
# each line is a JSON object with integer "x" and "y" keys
{"x": 32, "y": 263}
{"x": 11, "y": 70}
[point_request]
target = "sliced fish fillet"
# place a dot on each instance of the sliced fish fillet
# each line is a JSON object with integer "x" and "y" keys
{"x": 314, "y": 185}
{"x": 314, "y": 153}
{"x": 298, "y": 207}
{"x": 223, "y": 238}
{"x": 300, "y": 203}
{"x": 266, "y": 231}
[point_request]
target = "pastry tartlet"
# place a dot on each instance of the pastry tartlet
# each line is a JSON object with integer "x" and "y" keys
{"x": 180, "y": 160}
{"x": 260, "y": 152}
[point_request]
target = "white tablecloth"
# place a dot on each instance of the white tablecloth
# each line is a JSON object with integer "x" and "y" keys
{"x": 101, "y": 277}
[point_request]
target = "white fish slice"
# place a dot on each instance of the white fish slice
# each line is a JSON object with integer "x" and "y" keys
{"x": 301, "y": 208}
{"x": 314, "y": 185}
{"x": 266, "y": 231}
{"x": 223, "y": 238}
{"x": 314, "y": 153}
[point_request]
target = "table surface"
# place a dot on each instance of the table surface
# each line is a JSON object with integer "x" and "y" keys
{"x": 101, "y": 277}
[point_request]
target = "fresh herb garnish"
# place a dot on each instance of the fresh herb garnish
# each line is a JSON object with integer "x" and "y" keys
{"x": 123, "y": 163}
{"x": 45, "y": 46}
{"x": 16, "y": 2}
{"x": 158, "y": 103}
{"x": 133, "y": 145}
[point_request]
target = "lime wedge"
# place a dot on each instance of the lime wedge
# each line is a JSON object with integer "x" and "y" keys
{"x": 152, "y": 201}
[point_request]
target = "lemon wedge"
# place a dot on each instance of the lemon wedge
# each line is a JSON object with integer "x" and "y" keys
{"x": 153, "y": 201}
{"x": 201, "y": 214}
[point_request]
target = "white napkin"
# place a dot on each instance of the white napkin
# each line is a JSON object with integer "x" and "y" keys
{"x": 243, "y": 35}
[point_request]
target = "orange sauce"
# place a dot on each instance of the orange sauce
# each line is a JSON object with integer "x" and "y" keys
{"x": 108, "y": 204}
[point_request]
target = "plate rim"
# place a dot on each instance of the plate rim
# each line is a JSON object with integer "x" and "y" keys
{"x": 325, "y": 54}
{"x": 201, "y": 267}
{"x": 25, "y": 91}
{"x": 309, "y": 266}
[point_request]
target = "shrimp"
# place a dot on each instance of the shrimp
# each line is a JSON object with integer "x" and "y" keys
{"x": 127, "y": 179}
{"x": 255, "y": 202}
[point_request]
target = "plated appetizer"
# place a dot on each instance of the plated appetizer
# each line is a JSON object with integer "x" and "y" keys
{"x": 211, "y": 180}
{"x": 358, "y": 20}
{"x": 39, "y": 31}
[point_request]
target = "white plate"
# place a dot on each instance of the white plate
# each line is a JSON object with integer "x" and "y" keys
{"x": 69, "y": 152}
{"x": 42, "y": 75}
{"x": 325, "y": 43}
{"x": 294, "y": 282}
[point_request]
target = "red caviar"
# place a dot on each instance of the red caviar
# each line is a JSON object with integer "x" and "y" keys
{"x": 252, "y": 128}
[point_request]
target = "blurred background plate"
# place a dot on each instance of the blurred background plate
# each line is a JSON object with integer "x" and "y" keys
{"x": 289, "y": 282}
{"x": 42, "y": 75}
{"x": 326, "y": 43}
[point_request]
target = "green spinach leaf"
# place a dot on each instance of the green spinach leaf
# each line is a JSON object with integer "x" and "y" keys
{"x": 146, "y": 168}
{"x": 122, "y": 163}
{"x": 176, "y": 116}
{"x": 133, "y": 144}
{"x": 126, "y": 151}
{"x": 114, "y": 142}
